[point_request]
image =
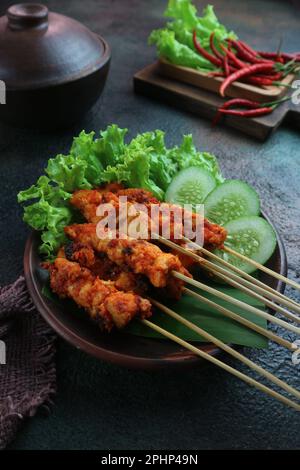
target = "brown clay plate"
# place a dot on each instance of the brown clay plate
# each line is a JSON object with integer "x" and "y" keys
{"x": 123, "y": 349}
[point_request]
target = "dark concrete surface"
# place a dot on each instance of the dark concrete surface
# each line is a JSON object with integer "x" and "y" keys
{"x": 101, "y": 406}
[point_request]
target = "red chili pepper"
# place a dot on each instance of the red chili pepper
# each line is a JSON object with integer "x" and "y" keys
{"x": 285, "y": 57}
{"x": 226, "y": 66}
{"x": 238, "y": 63}
{"x": 246, "y": 55}
{"x": 214, "y": 60}
{"x": 239, "y": 102}
{"x": 232, "y": 68}
{"x": 268, "y": 55}
{"x": 264, "y": 80}
{"x": 213, "y": 47}
{"x": 256, "y": 108}
{"x": 258, "y": 81}
{"x": 273, "y": 76}
{"x": 246, "y": 71}
{"x": 248, "y": 48}
{"x": 222, "y": 74}
{"x": 249, "y": 113}
{"x": 277, "y": 57}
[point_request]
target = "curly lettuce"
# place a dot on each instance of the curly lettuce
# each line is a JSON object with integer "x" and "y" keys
{"x": 174, "y": 42}
{"x": 186, "y": 155}
{"x": 144, "y": 162}
{"x": 176, "y": 52}
{"x": 50, "y": 212}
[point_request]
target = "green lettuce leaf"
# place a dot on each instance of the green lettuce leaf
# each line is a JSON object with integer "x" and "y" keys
{"x": 134, "y": 172}
{"x": 84, "y": 148}
{"x": 69, "y": 171}
{"x": 177, "y": 53}
{"x": 110, "y": 147}
{"x": 81, "y": 168}
{"x": 162, "y": 167}
{"x": 49, "y": 213}
{"x": 175, "y": 41}
{"x": 183, "y": 10}
{"x": 187, "y": 155}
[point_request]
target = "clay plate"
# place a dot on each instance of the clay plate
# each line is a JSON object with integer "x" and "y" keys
{"x": 123, "y": 349}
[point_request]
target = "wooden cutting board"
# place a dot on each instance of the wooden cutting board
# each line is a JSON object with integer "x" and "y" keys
{"x": 236, "y": 90}
{"x": 151, "y": 82}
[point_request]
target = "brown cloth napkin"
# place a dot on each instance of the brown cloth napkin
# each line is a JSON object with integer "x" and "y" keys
{"x": 28, "y": 379}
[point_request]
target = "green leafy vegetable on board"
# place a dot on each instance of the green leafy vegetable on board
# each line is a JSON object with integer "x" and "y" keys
{"x": 174, "y": 42}
{"x": 144, "y": 162}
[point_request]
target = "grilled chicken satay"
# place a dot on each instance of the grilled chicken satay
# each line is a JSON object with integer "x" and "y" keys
{"x": 100, "y": 265}
{"x": 104, "y": 303}
{"x": 133, "y": 194}
{"x": 214, "y": 234}
{"x": 87, "y": 201}
{"x": 140, "y": 196}
{"x": 140, "y": 256}
{"x": 111, "y": 187}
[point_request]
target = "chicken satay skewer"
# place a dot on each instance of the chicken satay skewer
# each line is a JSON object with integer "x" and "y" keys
{"x": 104, "y": 303}
{"x": 88, "y": 200}
{"x": 159, "y": 267}
{"x": 104, "y": 268}
{"x": 221, "y": 364}
{"x": 139, "y": 255}
{"x": 125, "y": 280}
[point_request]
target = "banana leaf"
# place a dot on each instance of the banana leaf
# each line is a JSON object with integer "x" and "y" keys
{"x": 209, "y": 319}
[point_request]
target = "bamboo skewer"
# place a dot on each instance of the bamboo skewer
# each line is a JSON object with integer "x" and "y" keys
{"x": 258, "y": 312}
{"x": 234, "y": 316}
{"x": 237, "y": 303}
{"x": 254, "y": 289}
{"x": 221, "y": 364}
{"x": 277, "y": 296}
{"x": 227, "y": 348}
{"x": 259, "y": 266}
{"x": 291, "y": 303}
{"x": 250, "y": 292}
{"x": 236, "y": 280}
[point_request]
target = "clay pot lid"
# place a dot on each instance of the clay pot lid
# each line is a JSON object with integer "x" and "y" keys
{"x": 39, "y": 48}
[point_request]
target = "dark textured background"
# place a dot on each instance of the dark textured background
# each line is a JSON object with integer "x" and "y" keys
{"x": 98, "y": 405}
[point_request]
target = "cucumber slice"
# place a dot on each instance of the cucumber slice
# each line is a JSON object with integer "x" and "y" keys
{"x": 190, "y": 186}
{"x": 251, "y": 236}
{"x": 231, "y": 200}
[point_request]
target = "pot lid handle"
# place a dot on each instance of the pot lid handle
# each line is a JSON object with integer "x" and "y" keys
{"x": 27, "y": 15}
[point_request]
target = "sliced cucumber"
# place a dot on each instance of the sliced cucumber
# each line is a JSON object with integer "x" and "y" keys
{"x": 190, "y": 186}
{"x": 251, "y": 236}
{"x": 231, "y": 200}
